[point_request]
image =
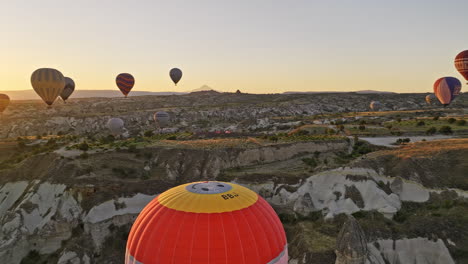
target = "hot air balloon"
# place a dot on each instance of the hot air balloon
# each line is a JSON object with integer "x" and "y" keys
{"x": 125, "y": 82}
{"x": 116, "y": 126}
{"x": 430, "y": 99}
{"x": 68, "y": 89}
{"x": 461, "y": 63}
{"x": 207, "y": 222}
{"x": 176, "y": 75}
{"x": 161, "y": 118}
{"x": 446, "y": 89}
{"x": 375, "y": 105}
{"x": 48, "y": 84}
{"x": 4, "y": 102}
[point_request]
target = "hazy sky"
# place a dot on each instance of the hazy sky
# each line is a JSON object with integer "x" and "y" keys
{"x": 256, "y": 46}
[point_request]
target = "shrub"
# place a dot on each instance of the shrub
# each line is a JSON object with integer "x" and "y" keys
{"x": 402, "y": 141}
{"x": 273, "y": 138}
{"x": 172, "y": 138}
{"x": 38, "y": 137}
{"x": 148, "y": 133}
{"x": 446, "y": 130}
{"x": 84, "y": 155}
{"x": 461, "y": 122}
{"x": 362, "y": 127}
{"x": 398, "y": 120}
{"x": 451, "y": 120}
{"x": 436, "y": 118}
{"x": 132, "y": 149}
{"x": 311, "y": 162}
{"x": 83, "y": 146}
{"x": 431, "y": 131}
{"x": 420, "y": 123}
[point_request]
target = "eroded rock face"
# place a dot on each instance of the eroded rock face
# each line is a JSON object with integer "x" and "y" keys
{"x": 416, "y": 250}
{"x": 351, "y": 244}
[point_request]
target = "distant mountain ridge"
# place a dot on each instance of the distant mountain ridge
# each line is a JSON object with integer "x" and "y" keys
{"x": 31, "y": 94}
{"x": 358, "y": 92}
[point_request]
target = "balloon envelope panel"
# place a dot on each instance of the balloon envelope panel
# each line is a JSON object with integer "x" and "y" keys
{"x": 207, "y": 222}
{"x": 48, "y": 84}
{"x": 162, "y": 118}
{"x": 430, "y": 99}
{"x": 68, "y": 89}
{"x": 461, "y": 63}
{"x": 176, "y": 75}
{"x": 4, "y": 102}
{"x": 375, "y": 105}
{"x": 116, "y": 126}
{"x": 125, "y": 82}
{"x": 446, "y": 89}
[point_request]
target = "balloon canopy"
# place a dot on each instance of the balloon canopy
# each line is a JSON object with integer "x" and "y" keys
{"x": 446, "y": 89}
{"x": 68, "y": 89}
{"x": 430, "y": 99}
{"x": 461, "y": 63}
{"x": 125, "y": 82}
{"x": 116, "y": 126}
{"x": 48, "y": 84}
{"x": 4, "y": 102}
{"x": 161, "y": 118}
{"x": 207, "y": 222}
{"x": 176, "y": 75}
{"x": 375, "y": 105}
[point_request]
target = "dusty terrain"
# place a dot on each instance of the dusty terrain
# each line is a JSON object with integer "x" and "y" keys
{"x": 69, "y": 192}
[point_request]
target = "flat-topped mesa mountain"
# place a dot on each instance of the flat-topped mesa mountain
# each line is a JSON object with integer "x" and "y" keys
{"x": 196, "y": 111}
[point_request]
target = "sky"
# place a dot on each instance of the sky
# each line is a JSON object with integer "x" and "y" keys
{"x": 257, "y": 46}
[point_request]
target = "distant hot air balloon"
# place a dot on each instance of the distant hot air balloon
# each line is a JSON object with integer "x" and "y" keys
{"x": 116, "y": 126}
{"x": 430, "y": 99}
{"x": 446, "y": 89}
{"x": 461, "y": 63}
{"x": 68, "y": 89}
{"x": 176, "y": 75}
{"x": 4, "y": 102}
{"x": 48, "y": 84}
{"x": 161, "y": 118}
{"x": 207, "y": 222}
{"x": 375, "y": 105}
{"x": 125, "y": 82}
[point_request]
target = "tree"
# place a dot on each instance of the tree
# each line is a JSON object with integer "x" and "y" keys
{"x": 420, "y": 123}
{"x": 461, "y": 122}
{"x": 446, "y": 130}
{"x": 451, "y": 120}
{"x": 431, "y": 131}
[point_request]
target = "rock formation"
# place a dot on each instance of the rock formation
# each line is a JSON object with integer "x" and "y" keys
{"x": 351, "y": 246}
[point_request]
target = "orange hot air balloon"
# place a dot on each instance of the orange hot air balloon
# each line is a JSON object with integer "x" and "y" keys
{"x": 207, "y": 222}
{"x": 461, "y": 63}
{"x": 4, "y": 102}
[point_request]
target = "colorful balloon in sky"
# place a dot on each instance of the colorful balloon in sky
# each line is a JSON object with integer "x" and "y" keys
{"x": 446, "y": 89}
{"x": 461, "y": 63}
{"x": 207, "y": 222}
{"x": 48, "y": 84}
{"x": 125, "y": 82}
{"x": 68, "y": 89}
{"x": 161, "y": 118}
{"x": 4, "y": 102}
{"x": 176, "y": 75}
{"x": 375, "y": 105}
